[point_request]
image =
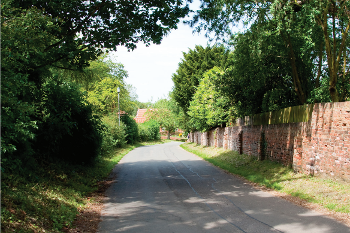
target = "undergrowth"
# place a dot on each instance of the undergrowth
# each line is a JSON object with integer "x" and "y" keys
{"x": 49, "y": 198}
{"x": 331, "y": 194}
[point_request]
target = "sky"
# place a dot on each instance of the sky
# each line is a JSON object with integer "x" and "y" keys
{"x": 150, "y": 68}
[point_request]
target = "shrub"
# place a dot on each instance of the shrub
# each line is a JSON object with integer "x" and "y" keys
{"x": 114, "y": 136}
{"x": 68, "y": 129}
{"x": 149, "y": 131}
{"x": 131, "y": 129}
{"x": 17, "y": 125}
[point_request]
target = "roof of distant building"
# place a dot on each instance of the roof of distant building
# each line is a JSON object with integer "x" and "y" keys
{"x": 140, "y": 118}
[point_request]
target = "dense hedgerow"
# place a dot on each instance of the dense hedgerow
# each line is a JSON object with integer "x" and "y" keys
{"x": 68, "y": 128}
{"x": 114, "y": 136}
{"x": 149, "y": 131}
{"x": 131, "y": 129}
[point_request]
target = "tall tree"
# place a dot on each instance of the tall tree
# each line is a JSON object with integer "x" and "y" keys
{"x": 97, "y": 70}
{"x": 39, "y": 37}
{"x": 209, "y": 108}
{"x": 334, "y": 19}
{"x": 105, "y": 97}
{"x": 260, "y": 79}
{"x": 290, "y": 18}
{"x": 78, "y": 31}
{"x": 191, "y": 69}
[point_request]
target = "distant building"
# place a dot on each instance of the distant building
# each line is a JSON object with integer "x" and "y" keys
{"x": 140, "y": 118}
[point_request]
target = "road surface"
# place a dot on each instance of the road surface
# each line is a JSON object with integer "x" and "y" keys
{"x": 163, "y": 188}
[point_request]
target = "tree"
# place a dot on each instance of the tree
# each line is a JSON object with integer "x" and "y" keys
{"x": 67, "y": 127}
{"x": 334, "y": 19}
{"x": 97, "y": 70}
{"x": 165, "y": 112}
{"x": 19, "y": 122}
{"x": 41, "y": 38}
{"x": 191, "y": 69}
{"x": 72, "y": 33}
{"x": 100, "y": 80}
{"x": 290, "y": 18}
{"x": 260, "y": 79}
{"x": 105, "y": 97}
{"x": 209, "y": 108}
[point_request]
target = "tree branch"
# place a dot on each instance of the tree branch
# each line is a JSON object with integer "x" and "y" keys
{"x": 96, "y": 8}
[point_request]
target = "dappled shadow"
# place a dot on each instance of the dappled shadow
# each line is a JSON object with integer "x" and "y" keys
{"x": 166, "y": 189}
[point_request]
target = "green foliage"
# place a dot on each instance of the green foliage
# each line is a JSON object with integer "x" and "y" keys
{"x": 114, "y": 136}
{"x": 18, "y": 128}
{"x": 143, "y": 105}
{"x": 67, "y": 129}
{"x": 78, "y": 30}
{"x": 166, "y": 113}
{"x": 149, "y": 131}
{"x": 209, "y": 108}
{"x": 104, "y": 96}
{"x": 99, "y": 69}
{"x": 321, "y": 94}
{"x": 314, "y": 33}
{"x": 191, "y": 69}
{"x": 49, "y": 197}
{"x": 100, "y": 80}
{"x": 260, "y": 80}
{"x": 22, "y": 39}
{"x": 25, "y": 34}
{"x": 131, "y": 129}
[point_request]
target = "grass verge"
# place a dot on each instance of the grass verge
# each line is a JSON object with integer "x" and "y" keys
{"x": 330, "y": 194}
{"x": 50, "y": 198}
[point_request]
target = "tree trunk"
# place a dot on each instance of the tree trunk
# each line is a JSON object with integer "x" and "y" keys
{"x": 168, "y": 134}
{"x": 298, "y": 88}
{"x": 333, "y": 60}
{"x": 320, "y": 61}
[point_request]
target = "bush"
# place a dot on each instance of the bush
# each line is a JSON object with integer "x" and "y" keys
{"x": 114, "y": 136}
{"x": 68, "y": 129}
{"x": 149, "y": 131}
{"x": 18, "y": 127}
{"x": 132, "y": 130}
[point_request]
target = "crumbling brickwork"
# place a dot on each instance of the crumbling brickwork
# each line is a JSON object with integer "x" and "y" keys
{"x": 320, "y": 146}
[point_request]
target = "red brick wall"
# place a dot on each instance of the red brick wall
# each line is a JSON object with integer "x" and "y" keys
{"x": 323, "y": 145}
{"x": 320, "y": 146}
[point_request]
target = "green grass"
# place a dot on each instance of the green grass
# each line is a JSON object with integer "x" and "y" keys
{"x": 49, "y": 198}
{"x": 331, "y": 194}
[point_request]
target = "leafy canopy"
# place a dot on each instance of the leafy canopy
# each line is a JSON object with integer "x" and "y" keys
{"x": 68, "y": 34}
{"x": 209, "y": 108}
{"x": 165, "y": 112}
{"x": 312, "y": 32}
{"x": 191, "y": 69}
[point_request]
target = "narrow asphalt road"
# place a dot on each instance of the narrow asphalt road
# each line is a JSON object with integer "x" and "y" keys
{"x": 163, "y": 188}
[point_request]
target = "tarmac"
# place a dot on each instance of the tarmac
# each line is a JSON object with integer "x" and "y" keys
{"x": 163, "y": 188}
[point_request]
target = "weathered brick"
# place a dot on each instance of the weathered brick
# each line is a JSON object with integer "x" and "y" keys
{"x": 322, "y": 140}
